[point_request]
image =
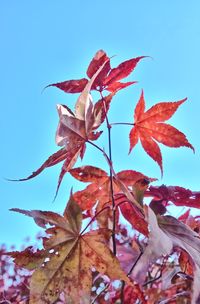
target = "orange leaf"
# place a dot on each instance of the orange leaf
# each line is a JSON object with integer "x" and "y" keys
{"x": 99, "y": 189}
{"x": 88, "y": 174}
{"x": 149, "y": 128}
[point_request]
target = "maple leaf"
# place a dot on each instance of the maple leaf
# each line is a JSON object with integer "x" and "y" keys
{"x": 28, "y": 258}
{"x": 187, "y": 239}
{"x": 158, "y": 244}
{"x": 149, "y": 128}
{"x": 71, "y": 86}
{"x": 136, "y": 219}
{"x": 192, "y": 221}
{"x": 122, "y": 70}
{"x": 75, "y": 129}
{"x": 99, "y": 190}
{"x": 68, "y": 258}
{"x": 167, "y": 232}
{"x": 74, "y": 132}
{"x": 185, "y": 263}
{"x": 69, "y": 155}
{"x": 99, "y": 58}
{"x": 108, "y": 78}
{"x": 131, "y": 295}
{"x": 54, "y": 159}
{"x": 177, "y": 195}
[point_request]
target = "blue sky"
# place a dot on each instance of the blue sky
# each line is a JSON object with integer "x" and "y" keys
{"x": 44, "y": 42}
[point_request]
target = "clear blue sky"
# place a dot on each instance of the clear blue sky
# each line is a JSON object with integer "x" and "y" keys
{"x": 44, "y": 42}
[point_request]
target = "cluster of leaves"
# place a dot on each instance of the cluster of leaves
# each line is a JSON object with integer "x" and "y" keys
{"x": 14, "y": 282}
{"x": 88, "y": 255}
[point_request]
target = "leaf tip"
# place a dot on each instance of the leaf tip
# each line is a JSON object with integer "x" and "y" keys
{"x": 16, "y": 180}
{"x": 130, "y": 149}
{"x": 14, "y": 209}
{"x": 161, "y": 168}
{"x": 191, "y": 147}
{"x": 160, "y": 164}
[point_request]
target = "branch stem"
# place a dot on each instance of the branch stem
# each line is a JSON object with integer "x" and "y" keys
{"x": 111, "y": 177}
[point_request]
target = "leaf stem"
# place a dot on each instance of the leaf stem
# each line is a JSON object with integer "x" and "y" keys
{"x": 102, "y": 151}
{"x": 139, "y": 256}
{"x": 122, "y": 123}
{"x": 93, "y": 218}
{"x": 123, "y": 283}
{"x": 152, "y": 280}
{"x": 111, "y": 177}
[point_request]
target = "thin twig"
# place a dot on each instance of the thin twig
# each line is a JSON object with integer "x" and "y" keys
{"x": 93, "y": 218}
{"x": 122, "y": 123}
{"x": 129, "y": 273}
{"x": 134, "y": 264}
{"x": 122, "y": 292}
{"x": 102, "y": 151}
{"x": 153, "y": 280}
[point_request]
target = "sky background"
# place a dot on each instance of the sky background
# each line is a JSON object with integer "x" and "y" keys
{"x": 44, "y": 42}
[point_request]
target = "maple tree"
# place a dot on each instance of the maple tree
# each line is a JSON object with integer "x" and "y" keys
{"x": 88, "y": 254}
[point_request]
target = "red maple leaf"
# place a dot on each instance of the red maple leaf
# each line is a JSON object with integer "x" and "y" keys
{"x": 99, "y": 190}
{"x": 99, "y": 187}
{"x": 179, "y": 196}
{"x": 131, "y": 295}
{"x": 76, "y": 128}
{"x": 108, "y": 78}
{"x": 149, "y": 128}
